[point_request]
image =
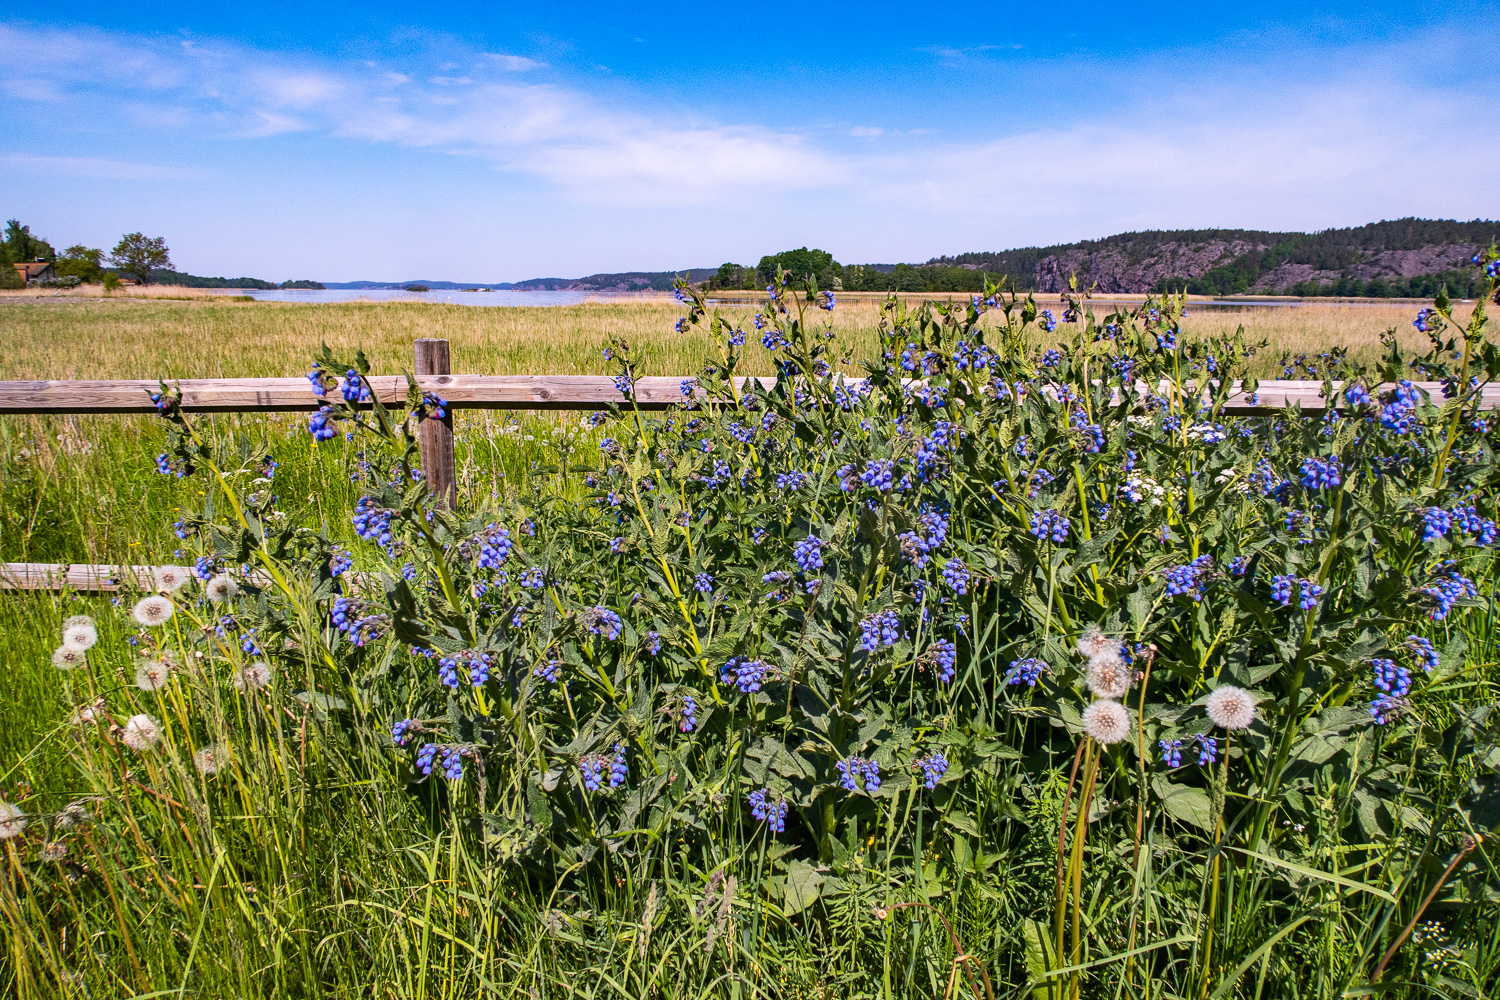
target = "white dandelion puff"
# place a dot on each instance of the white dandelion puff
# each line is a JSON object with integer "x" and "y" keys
{"x": 1094, "y": 643}
{"x": 1230, "y": 707}
{"x": 153, "y": 610}
{"x": 1109, "y": 675}
{"x": 79, "y": 632}
{"x": 221, "y": 588}
{"x": 255, "y": 676}
{"x": 12, "y": 821}
{"x": 67, "y": 657}
{"x": 1106, "y": 721}
{"x": 141, "y": 733}
{"x": 152, "y": 675}
{"x": 211, "y": 758}
{"x": 89, "y": 713}
{"x": 73, "y": 814}
{"x": 169, "y": 579}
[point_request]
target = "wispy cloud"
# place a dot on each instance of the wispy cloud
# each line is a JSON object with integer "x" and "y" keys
{"x": 1192, "y": 149}
{"x": 91, "y": 166}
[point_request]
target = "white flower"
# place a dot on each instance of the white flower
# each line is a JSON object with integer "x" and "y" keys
{"x": 12, "y": 821}
{"x": 1093, "y": 642}
{"x": 1143, "y": 489}
{"x": 152, "y": 675}
{"x": 153, "y": 610}
{"x": 79, "y": 632}
{"x": 209, "y": 759}
{"x": 221, "y": 588}
{"x": 1106, "y": 721}
{"x": 67, "y": 657}
{"x": 141, "y": 732}
{"x": 1230, "y": 707}
{"x": 255, "y": 676}
{"x": 1109, "y": 675}
{"x": 169, "y": 579}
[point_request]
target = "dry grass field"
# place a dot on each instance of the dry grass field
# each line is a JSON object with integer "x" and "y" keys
{"x": 208, "y": 334}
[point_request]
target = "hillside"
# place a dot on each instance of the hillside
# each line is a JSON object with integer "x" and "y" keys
{"x": 1400, "y": 257}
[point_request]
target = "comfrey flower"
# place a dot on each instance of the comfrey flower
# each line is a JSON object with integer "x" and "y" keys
{"x": 1448, "y": 591}
{"x": 808, "y": 554}
{"x": 1423, "y": 650}
{"x": 533, "y": 578}
{"x": 1050, "y": 524}
{"x": 1391, "y": 677}
{"x": 687, "y": 714}
{"x": 956, "y": 575}
{"x": 746, "y": 674}
{"x": 942, "y": 655}
{"x": 1318, "y": 474}
{"x": 1386, "y": 708}
{"x": 1186, "y": 580}
{"x": 1208, "y": 750}
{"x": 1171, "y": 752}
{"x": 858, "y": 767}
{"x": 880, "y": 629}
{"x": 652, "y": 643}
{"x": 1027, "y": 671}
{"x": 402, "y": 731}
{"x": 600, "y": 620}
{"x": 703, "y": 583}
{"x": 877, "y": 474}
{"x": 769, "y": 809}
{"x": 933, "y": 766}
{"x": 340, "y": 562}
{"x": 494, "y": 546}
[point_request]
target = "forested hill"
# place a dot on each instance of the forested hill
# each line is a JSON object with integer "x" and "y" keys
{"x": 1399, "y": 257}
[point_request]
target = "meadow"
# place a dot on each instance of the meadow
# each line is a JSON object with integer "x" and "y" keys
{"x": 321, "y": 861}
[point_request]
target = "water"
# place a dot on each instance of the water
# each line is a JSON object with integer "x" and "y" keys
{"x": 525, "y": 298}
{"x": 442, "y": 295}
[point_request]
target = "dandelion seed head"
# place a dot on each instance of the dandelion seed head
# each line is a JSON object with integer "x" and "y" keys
{"x": 209, "y": 759}
{"x": 221, "y": 588}
{"x": 141, "y": 733}
{"x": 153, "y": 610}
{"x": 153, "y": 674}
{"x": 67, "y": 657}
{"x": 12, "y": 821}
{"x": 1094, "y": 642}
{"x": 1230, "y": 707}
{"x": 169, "y": 579}
{"x": 1106, "y": 722}
{"x": 254, "y": 676}
{"x": 79, "y": 633}
{"x": 1109, "y": 676}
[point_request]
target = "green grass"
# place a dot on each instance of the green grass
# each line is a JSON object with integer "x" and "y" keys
{"x": 315, "y": 871}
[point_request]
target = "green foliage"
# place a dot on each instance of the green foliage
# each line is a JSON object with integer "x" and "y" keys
{"x": 836, "y": 572}
{"x": 141, "y": 256}
{"x": 81, "y": 262}
{"x": 22, "y": 247}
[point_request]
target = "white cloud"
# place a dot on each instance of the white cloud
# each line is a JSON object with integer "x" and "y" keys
{"x": 90, "y": 166}
{"x": 1195, "y": 145}
{"x": 514, "y": 64}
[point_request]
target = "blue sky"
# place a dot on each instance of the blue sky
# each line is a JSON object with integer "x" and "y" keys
{"x": 502, "y": 141}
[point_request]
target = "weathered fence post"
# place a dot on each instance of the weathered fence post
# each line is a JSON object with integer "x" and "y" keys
{"x": 436, "y": 436}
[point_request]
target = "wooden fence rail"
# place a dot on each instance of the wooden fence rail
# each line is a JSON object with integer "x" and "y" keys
{"x": 480, "y": 392}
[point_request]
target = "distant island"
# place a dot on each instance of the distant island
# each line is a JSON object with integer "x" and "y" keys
{"x": 1402, "y": 258}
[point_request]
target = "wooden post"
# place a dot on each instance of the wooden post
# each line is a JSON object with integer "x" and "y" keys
{"x": 436, "y": 436}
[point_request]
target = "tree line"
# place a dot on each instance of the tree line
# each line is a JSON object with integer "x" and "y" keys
{"x": 141, "y": 258}
{"x": 835, "y": 277}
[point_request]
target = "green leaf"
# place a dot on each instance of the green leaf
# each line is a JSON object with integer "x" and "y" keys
{"x": 1184, "y": 803}
{"x": 803, "y": 886}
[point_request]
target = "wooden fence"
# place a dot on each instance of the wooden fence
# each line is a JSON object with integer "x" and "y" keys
{"x": 432, "y": 370}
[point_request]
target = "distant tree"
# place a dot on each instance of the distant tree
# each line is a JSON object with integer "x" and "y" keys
{"x": 81, "y": 262}
{"x": 801, "y": 263}
{"x": 140, "y": 255}
{"x": 729, "y": 276}
{"x": 22, "y": 247}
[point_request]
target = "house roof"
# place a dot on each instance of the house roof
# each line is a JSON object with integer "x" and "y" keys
{"x": 31, "y": 270}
